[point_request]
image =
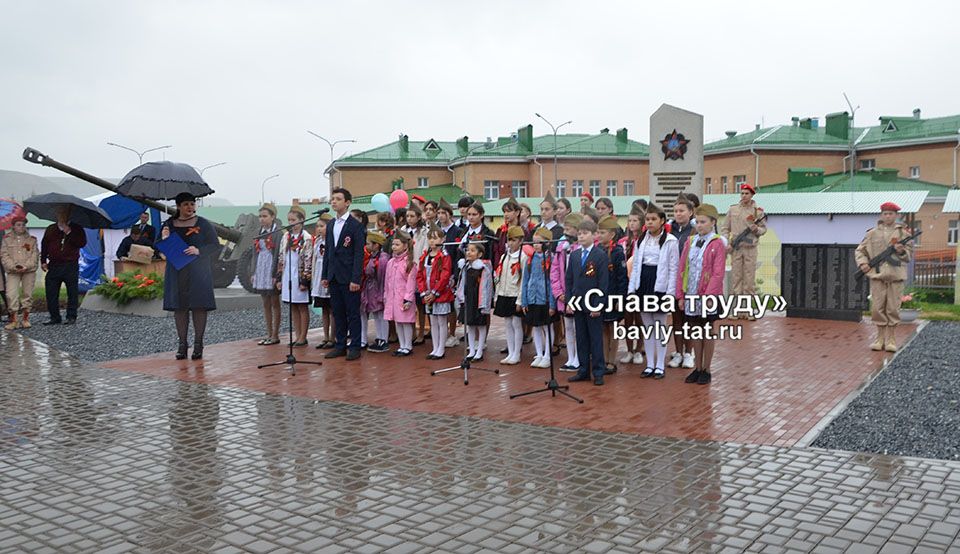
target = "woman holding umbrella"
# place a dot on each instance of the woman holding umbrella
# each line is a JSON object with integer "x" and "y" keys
{"x": 189, "y": 290}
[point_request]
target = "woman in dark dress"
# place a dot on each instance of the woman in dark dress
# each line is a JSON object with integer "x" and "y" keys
{"x": 190, "y": 289}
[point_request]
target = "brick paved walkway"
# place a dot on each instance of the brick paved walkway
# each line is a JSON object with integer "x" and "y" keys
{"x": 98, "y": 460}
{"x": 772, "y": 387}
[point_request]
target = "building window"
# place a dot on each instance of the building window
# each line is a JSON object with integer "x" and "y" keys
{"x": 595, "y": 188}
{"x": 917, "y": 225}
{"x": 709, "y": 184}
{"x": 723, "y": 184}
{"x": 561, "y": 188}
{"x": 915, "y": 172}
{"x": 576, "y": 190}
{"x": 611, "y": 188}
{"x": 422, "y": 182}
{"x": 737, "y": 181}
{"x": 491, "y": 190}
{"x": 953, "y": 230}
{"x": 628, "y": 188}
{"x": 868, "y": 164}
{"x": 519, "y": 189}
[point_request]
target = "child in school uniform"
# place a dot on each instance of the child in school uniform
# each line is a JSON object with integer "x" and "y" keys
{"x": 508, "y": 279}
{"x": 319, "y": 293}
{"x": 654, "y": 273}
{"x": 631, "y": 319}
{"x": 474, "y": 293}
{"x": 399, "y": 290}
{"x": 587, "y": 271}
{"x": 372, "y": 291}
{"x": 609, "y": 228}
{"x": 700, "y": 272}
{"x": 417, "y": 228}
{"x": 558, "y": 273}
{"x": 536, "y": 297}
{"x": 294, "y": 269}
{"x": 434, "y": 272}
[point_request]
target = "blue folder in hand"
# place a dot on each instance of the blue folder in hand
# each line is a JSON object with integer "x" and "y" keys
{"x": 172, "y": 247}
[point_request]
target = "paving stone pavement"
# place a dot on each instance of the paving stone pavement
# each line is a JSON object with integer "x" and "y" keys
{"x": 99, "y": 460}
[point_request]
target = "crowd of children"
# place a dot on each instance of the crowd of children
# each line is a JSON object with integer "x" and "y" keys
{"x": 451, "y": 270}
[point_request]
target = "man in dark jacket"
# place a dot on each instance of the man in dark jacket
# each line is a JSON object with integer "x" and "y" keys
{"x": 60, "y": 259}
{"x": 342, "y": 269}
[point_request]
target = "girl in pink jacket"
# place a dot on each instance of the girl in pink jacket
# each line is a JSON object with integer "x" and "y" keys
{"x": 399, "y": 289}
{"x": 558, "y": 273}
{"x": 701, "y": 273}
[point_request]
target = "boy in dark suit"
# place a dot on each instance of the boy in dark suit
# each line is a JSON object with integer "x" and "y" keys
{"x": 342, "y": 268}
{"x": 587, "y": 270}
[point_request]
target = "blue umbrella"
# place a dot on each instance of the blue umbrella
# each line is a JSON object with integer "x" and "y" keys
{"x": 163, "y": 181}
{"x": 82, "y": 212}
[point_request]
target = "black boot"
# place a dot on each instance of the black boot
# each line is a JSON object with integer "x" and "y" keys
{"x": 197, "y": 350}
{"x": 182, "y": 351}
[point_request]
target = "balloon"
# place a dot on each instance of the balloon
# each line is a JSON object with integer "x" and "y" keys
{"x": 380, "y": 202}
{"x": 399, "y": 199}
{"x": 528, "y": 249}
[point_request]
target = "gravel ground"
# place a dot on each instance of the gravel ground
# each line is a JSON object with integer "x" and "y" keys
{"x": 100, "y": 336}
{"x": 912, "y": 408}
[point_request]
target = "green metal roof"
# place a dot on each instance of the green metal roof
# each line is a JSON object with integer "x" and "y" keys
{"x": 952, "y": 205}
{"x": 805, "y": 203}
{"x": 573, "y": 144}
{"x": 910, "y": 129}
{"x": 416, "y": 153}
{"x": 781, "y": 135}
{"x": 862, "y": 181}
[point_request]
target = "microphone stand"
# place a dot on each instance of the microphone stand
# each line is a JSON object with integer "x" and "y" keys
{"x": 552, "y": 386}
{"x": 291, "y": 360}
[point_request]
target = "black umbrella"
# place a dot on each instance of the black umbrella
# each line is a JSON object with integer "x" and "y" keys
{"x": 163, "y": 181}
{"x": 82, "y": 212}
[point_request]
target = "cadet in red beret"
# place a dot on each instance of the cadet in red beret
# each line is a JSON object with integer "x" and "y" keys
{"x": 586, "y": 201}
{"x": 886, "y": 281}
{"x": 743, "y": 261}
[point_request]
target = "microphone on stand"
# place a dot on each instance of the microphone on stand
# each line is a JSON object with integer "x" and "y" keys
{"x": 321, "y": 211}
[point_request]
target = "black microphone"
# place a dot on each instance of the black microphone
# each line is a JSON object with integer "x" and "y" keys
{"x": 322, "y": 211}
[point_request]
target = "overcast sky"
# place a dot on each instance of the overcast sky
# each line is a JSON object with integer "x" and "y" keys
{"x": 242, "y": 81}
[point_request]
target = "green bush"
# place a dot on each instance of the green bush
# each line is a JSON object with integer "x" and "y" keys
{"x": 129, "y": 286}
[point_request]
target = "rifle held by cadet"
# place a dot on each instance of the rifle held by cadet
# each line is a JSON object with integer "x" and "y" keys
{"x": 887, "y": 255}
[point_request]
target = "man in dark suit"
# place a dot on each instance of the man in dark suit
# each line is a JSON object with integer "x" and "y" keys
{"x": 342, "y": 268}
{"x": 147, "y": 232}
{"x": 587, "y": 270}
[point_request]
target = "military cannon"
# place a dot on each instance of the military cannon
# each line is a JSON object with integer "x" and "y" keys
{"x": 236, "y": 254}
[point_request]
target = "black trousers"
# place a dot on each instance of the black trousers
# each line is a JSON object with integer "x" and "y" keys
{"x": 346, "y": 315}
{"x": 68, "y": 274}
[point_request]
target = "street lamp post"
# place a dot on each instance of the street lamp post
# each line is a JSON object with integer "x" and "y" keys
{"x": 555, "y": 129}
{"x": 211, "y": 166}
{"x": 138, "y": 153}
{"x": 263, "y": 184}
{"x": 331, "y": 145}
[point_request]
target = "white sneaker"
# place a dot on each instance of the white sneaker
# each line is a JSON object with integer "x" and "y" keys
{"x": 638, "y": 358}
{"x": 675, "y": 360}
{"x": 536, "y": 362}
{"x": 688, "y": 361}
{"x": 506, "y": 361}
{"x": 513, "y": 360}
{"x": 452, "y": 342}
{"x": 625, "y": 359}
{"x": 544, "y": 362}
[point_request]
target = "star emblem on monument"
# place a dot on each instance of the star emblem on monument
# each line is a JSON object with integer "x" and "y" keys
{"x": 673, "y": 146}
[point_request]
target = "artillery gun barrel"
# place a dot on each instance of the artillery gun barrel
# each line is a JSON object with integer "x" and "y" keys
{"x": 37, "y": 157}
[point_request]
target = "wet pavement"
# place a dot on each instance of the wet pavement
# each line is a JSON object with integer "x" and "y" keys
{"x": 100, "y": 460}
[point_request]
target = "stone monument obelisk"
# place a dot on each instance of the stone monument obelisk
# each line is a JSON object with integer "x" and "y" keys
{"x": 676, "y": 155}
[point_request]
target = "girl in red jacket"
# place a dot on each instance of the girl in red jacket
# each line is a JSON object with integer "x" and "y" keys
{"x": 433, "y": 282}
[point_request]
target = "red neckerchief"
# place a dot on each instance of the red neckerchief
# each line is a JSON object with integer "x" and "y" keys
{"x": 268, "y": 240}
{"x": 293, "y": 242}
{"x": 376, "y": 264}
{"x": 545, "y": 264}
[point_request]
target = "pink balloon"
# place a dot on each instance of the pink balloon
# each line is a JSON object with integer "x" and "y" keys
{"x": 399, "y": 199}
{"x": 528, "y": 249}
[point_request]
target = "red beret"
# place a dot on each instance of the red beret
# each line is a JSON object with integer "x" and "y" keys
{"x": 746, "y": 186}
{"x": 17, "y": 218}
{"x": 420, "y": 198}
{"x": 889, "y": 207}
{"x": 588, "y": 195}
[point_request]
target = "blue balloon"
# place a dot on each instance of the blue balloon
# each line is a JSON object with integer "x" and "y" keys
{"x": 380, "y": 202}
